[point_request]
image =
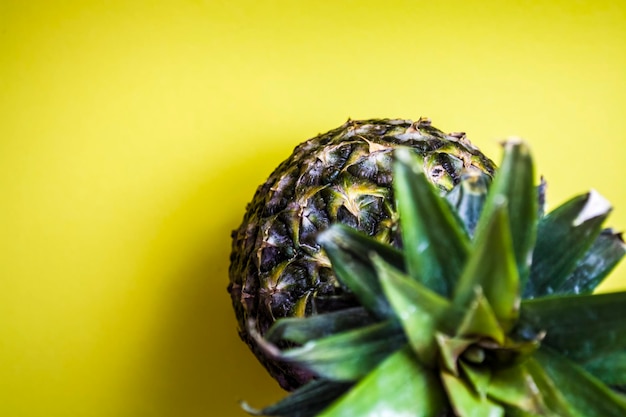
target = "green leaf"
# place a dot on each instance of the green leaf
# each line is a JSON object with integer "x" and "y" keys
{"x": 491, "y": 266}
{"x": 418, "y": 309}
{"x": 556, "y": 405}
{"x": 468, "y": 198}
{"x": 514, "y": 183}
{"x": 349, "y": 252}
{"x": 350, "y": 355}
{"x": 586, "y": 395}
{"x": 399, "y": 386}
{"x": 564, "y": 236}
{"x": 301, "y": 330}
{"x": 480, "y": 321}
{"x": 610, "y": 368}
{"x": 466, "y": 402}
{"x": 451, "y": 349}
{"x": 605, "y": 252}
{"x": 515, "y": 387}
{"x": 510, "y": 411}
{"x": 582, "y": 327}
{"x": 435, "y": 245}
{"x": 477, "y": 376}
{"x": 306, "y": 401}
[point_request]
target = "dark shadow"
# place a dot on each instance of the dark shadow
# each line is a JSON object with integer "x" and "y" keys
{"x": 196, "y": 364}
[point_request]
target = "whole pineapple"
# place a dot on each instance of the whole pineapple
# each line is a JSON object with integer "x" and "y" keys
{"x": 343, "y": 176}
{"x": 486, "y": 310}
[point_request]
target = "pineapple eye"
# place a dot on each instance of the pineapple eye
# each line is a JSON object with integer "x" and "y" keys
{"x": 437, "y": 172}
{"x": 444, "y": 170}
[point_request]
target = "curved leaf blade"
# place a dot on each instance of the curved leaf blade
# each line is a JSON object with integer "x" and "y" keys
{"x": 418, "y": 309}
{"x": 491, "y": 267}
{"x": 564, "y": 236}
{"x": 468, "y": 198}
{"x": 301, "y": 330}
{"x": 350, "y": 355}
{"x": 479, "y": 320}
{"x": 610, "y": 368}
{"x": 605, "y": 252}
{"x": 588, "y": 329}
{"x": 586, "y": 395}
{"x": 399, "y": 386}
{"x": 514, "y": 183}
{"x": 515, "y": 387}
{"x": 306, "y": 401}
{"x": 435, "y": 246}
{"x": 466, "y": 402}
{"x": 349, "y": 253}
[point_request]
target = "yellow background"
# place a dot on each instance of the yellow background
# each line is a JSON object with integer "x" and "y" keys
{"x": 132, "y": 134}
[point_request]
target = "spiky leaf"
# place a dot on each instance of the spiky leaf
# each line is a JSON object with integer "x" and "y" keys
{"x": 419, "y": 309}
{"x": 564, "y": 235}
{"x": 605, "y": 252}
{"x": 586, "y": 395}
{"x": 349, "y": 355}
{"x": 435, "y": 246}
{"x": 515, "y": 387}
{"x": 515, "y": 184}
{"x": 468, "y": 198}
{"x": 306, "y": 401}
{"x": 584, "y": 328}
{"x": 466, "y": 402}
{"x": 491, "y": 266}
{"x": 301, "y": 330}
{"x": 349, "y": 253}
{"x": 399, "y": 386}
{"x": 480, "y": 320}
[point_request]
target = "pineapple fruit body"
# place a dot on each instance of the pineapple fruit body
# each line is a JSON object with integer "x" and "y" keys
{"x": 344, "y": 176}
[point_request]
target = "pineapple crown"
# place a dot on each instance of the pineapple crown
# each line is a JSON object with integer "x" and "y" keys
{"x": 487, "y": 310}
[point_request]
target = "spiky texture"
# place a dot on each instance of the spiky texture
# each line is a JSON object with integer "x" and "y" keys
{"x": 487, "y": 310}
{"x": 343, "y": 176}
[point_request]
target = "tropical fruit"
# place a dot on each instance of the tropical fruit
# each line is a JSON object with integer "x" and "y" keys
{"x": 343, "y": 176}
{"x": 471, "y": 302}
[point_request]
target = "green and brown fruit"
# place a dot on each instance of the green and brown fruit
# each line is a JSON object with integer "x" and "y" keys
{"x": 343, "y": 176}
{"x": 474, "y": 303}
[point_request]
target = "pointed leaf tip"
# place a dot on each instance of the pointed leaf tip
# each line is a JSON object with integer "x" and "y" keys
{"x": 348, "y": 251}
{"x": 491, "y": 266}
{"x": 418, "y": 309}
{"x": 596, "y": 206}
{"x": 435, "y": 244}
{"x": 515, "y": 180}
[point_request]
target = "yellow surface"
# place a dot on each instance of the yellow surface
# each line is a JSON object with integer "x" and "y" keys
{"x": 132, "y": 133}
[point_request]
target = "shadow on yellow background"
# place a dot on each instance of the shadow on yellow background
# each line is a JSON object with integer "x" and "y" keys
{"x": 132, "y": 134}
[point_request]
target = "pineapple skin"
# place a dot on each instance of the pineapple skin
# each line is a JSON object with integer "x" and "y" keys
{"x": 344, "y": 176}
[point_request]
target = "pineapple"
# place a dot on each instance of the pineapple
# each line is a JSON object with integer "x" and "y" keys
{"x": 344, "y": 176}
{"x": 470, "y": 302}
